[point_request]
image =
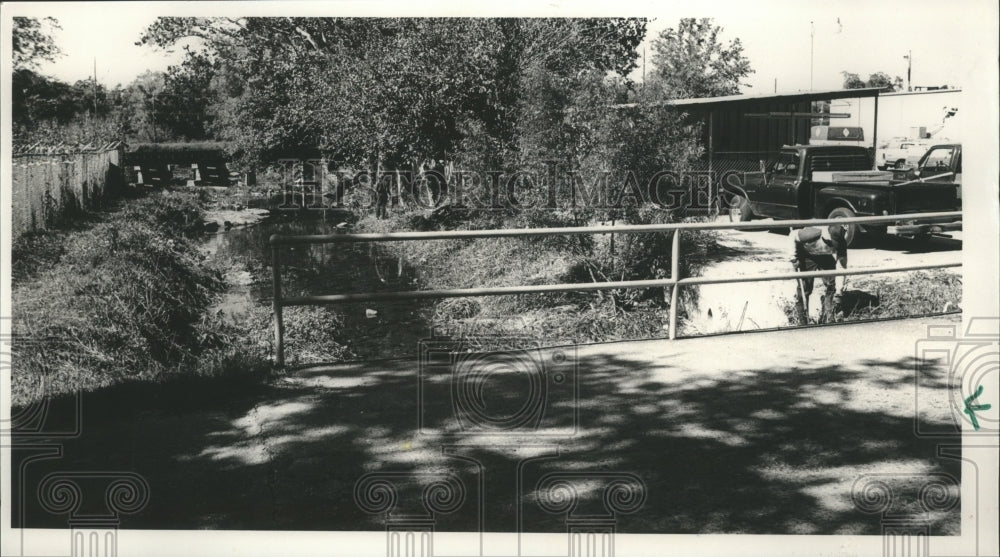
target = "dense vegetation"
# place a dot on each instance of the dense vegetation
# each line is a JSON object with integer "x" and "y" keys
{"x": 510, "y": 96}
{"x": 119, "y": 298}
{"x": 514, "y": 98}
{"x": 123, "y": 295}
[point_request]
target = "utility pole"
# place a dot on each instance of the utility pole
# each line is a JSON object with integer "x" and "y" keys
{"x": 95, "y": 87}
{"x": 812, "y": 39}
{"x": 644, "y": 66}
{"x": 909, "y": 68}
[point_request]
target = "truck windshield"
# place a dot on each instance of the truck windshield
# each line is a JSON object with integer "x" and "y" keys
{"x": 787, "y": 163}
{"x": 938, "y": 159}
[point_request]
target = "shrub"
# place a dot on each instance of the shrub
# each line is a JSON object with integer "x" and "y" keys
{"x": 171, "y": 211}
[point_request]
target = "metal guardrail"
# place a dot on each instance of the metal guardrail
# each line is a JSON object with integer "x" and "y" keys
{"x": 277, "y": 241}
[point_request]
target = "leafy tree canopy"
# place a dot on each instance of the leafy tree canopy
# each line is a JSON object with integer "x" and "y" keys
{"x": 391, "y": 90}
{"x": 877, "y": 79}
{"x": 33, "y": 42}
{"x": 690, "y": 61}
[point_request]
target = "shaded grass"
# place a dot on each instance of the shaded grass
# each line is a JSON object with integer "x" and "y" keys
{"x": 34, "y": 252}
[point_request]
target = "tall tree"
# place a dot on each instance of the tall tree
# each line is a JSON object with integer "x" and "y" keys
{"x": 143, "y": 98}
{"x": 690, "y": 61}
{"x": 393, "y": 90}
{"x": 189, "y": 91}
{"x": 33, "y": 42}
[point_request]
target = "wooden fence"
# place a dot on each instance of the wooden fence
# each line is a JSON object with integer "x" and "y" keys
{"x": 47, "y": 185}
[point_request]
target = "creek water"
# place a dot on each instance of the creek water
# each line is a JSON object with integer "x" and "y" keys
{"x": 367, "y": 331}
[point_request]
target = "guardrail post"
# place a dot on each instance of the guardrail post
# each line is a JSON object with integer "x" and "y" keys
{"x": 279, "y": 324}
{"x": 675, "y": 264}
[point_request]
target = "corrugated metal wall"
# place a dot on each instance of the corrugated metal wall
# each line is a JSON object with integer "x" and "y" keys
{"x": 739, "y": 142}
{"x": 741, "y": 137}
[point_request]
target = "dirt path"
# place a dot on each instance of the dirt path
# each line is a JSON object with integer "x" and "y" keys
{"x": 760, "y": 305}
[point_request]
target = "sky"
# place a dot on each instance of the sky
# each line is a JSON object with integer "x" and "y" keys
{"x": 848, "y": 35}
{"x": 861, "y": 38}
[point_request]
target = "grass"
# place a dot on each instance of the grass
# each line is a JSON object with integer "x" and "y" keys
{"x": 919, "y": 293}
{"x": 883, "y": 297}
{"x": 121, "y": 299}
{"x": 571, "y": 316}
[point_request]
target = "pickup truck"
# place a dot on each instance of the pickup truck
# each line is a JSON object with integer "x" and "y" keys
{"x": 941, "y": 163}
{"x": 825, "y": 181}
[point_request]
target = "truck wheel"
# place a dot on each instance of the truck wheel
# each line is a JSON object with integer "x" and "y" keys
{"x": 851, "y": 230}
{"x": 739, "y": 209}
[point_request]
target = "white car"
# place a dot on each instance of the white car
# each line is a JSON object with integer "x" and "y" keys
{"x": 902, "y": 152}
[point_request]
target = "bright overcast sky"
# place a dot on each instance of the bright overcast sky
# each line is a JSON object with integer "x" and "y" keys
{"x": 946, "y": 37}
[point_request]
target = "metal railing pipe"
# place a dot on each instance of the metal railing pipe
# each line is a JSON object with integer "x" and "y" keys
{"x": 276, "y": 304}
{"x": 675, "y": 266}
{"x": 578, "y": 230}
{"x": 588, "y": 286}
{"x": 674, "y": 281}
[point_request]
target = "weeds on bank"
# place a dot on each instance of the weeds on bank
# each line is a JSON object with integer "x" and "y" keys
{"x": 919, "y": 293}
{"x": 122, "y": 300}
{"x": 579, "y": 316}
{"x": 882, "y": 297}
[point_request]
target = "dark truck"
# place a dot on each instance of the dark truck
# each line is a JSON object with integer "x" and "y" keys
{"x": 941, "y": 163}
{"x": 827, "y": 181}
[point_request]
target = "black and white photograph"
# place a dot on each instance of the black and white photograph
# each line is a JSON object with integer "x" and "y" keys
{"x": 528, "y": 280}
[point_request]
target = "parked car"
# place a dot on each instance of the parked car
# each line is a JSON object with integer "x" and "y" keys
{"x": 823, "y": 181}
{"x": 901, "y": 153}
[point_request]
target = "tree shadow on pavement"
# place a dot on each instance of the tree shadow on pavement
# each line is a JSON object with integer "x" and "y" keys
{"x": 909, "y": 245}
{"x": 760, "y": 450}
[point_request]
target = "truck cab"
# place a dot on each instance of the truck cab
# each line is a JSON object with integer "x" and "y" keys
{"x": 785, "y": 190}
{"x": 942, "y": 163}
{"x": 824, "y": 181}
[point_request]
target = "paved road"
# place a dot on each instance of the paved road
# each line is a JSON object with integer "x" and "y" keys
{"x": 756, "y": 433}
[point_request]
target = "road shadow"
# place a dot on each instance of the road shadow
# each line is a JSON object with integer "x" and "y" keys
{"x": 908, "y": 245}
{"x": 757, "y": 450}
